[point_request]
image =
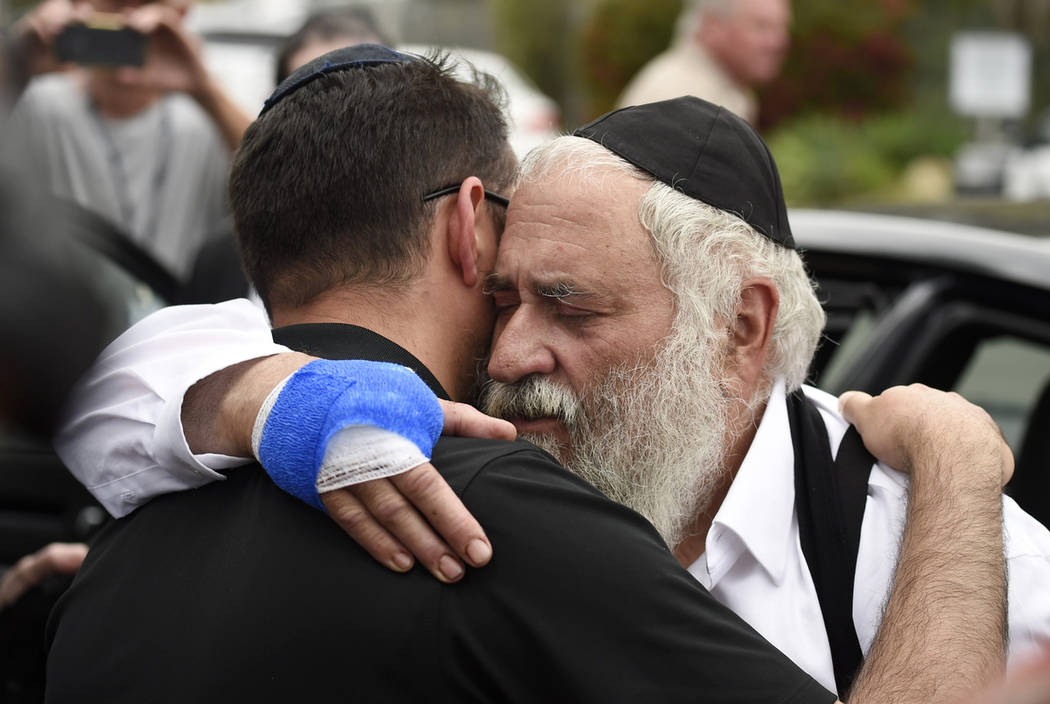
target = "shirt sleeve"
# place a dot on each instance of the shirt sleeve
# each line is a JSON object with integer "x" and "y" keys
{"x": 122, "y": 433}
{"x": 1028, "y": 569}
{"x": 1027, "y": 552}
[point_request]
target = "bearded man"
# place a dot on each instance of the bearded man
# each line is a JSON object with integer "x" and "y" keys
{"x": 628, "y": 310}
{"x": 678, "y": 393}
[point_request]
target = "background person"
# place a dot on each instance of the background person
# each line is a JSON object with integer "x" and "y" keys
{"x": 147, "y": 148}
{"x": 326, "y": 31}
{"x": 722, "y": 51}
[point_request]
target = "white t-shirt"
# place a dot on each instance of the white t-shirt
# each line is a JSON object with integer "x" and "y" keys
{"x": 161, "y": 175}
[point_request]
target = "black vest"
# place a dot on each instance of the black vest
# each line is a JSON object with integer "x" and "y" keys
{"x": 830, "y": 495}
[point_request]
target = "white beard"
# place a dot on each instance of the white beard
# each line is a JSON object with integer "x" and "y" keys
{"x": 648, "y": 436}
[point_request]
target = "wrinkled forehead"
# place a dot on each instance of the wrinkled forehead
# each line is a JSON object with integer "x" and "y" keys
{"x": 576, "y": 222}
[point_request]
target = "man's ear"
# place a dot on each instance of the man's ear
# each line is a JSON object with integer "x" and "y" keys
{"x": 753, "y": 329}
{"x": 462, "y": 234}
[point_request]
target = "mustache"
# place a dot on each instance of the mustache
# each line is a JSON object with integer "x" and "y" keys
{"x": 530, "y": 398}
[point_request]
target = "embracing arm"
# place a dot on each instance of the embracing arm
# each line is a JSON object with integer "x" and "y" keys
{"x": 943, "y": 633}
{"x": 121, "y": 435}
{"x": 409, "y": 510}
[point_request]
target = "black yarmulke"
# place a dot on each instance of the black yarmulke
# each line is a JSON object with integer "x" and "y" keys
{"x": 704, "y": 151}
{"x": 347, "y": 58}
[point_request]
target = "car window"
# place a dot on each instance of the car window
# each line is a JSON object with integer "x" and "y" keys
{"x": 1006, "y": 375}
{"x": 841, "y": 355}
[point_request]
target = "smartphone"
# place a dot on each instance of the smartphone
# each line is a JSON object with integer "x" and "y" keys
{"x": 101, "y": 45}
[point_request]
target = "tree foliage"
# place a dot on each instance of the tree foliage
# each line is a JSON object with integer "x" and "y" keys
{"x": 619, "y": 37}
{"x": 846, "y": 58}
{"x": 826, "y": 159}
{"x": 537, "y": 36}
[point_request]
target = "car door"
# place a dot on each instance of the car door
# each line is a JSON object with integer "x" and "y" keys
{"x": 987, "y": 338}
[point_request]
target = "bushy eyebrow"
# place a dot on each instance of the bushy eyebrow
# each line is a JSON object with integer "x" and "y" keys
{"x": 560, "y": 290}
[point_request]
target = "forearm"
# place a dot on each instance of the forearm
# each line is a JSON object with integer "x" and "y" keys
{"x": 943, "y": 633}
{"x": 231, "y": 120}
{"x": 218, "y": 411}
{"x": 30, "y": 42}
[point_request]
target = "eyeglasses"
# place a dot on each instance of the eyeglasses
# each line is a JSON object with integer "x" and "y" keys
{"x": 489, "y": 195}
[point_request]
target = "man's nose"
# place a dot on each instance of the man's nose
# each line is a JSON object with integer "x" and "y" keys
{"x": 520, "y": 347}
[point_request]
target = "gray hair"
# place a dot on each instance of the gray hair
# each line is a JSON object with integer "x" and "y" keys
{"x": 693, "y": 13}
{"x": 705, "y": 255}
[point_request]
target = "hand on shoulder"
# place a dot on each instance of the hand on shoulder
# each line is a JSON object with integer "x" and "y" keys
{"x": 915, "y": 426}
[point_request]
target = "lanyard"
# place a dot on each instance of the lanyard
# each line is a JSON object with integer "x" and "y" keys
{"x": 119, "y": 175}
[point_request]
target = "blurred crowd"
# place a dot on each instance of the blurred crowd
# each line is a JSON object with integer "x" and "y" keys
{"x": 130, "y": 146}
{"x": 142, "y": 139}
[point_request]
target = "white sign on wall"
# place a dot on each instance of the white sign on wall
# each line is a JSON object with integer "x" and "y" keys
{"x": 991, "y": 73}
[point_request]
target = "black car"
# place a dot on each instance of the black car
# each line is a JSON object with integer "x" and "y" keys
{"x": 947, "y": 305}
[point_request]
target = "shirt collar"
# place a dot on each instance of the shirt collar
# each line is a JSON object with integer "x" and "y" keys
{"x": 759, "y": 507}
{"x": 340, "y": 341}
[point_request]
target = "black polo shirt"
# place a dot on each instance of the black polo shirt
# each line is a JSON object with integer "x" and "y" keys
{"x": 239, "y": 592}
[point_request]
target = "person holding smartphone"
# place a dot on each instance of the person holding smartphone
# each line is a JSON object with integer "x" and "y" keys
{"x": 123, "y": 118}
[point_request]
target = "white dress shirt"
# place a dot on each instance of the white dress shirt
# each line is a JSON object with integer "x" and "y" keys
{"x": 753, "y": 561}
{"x": 131, "y": 447}
{"x": 122, "y": 434}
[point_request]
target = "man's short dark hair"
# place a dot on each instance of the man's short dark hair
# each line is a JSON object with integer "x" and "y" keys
{"x": 353, "y": 24}
{"x": 327, "y": 186}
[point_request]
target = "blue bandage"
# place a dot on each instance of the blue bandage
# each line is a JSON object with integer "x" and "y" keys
{"x": 326, "y": 396}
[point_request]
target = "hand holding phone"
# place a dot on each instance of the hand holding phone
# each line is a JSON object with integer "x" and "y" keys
{"x": 103, "y": 41}
{"x": 173, "y": 56}
{"x": 34, "y": 35}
